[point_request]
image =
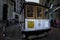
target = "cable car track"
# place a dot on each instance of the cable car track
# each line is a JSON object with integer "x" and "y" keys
{"x": 35, "y": 36}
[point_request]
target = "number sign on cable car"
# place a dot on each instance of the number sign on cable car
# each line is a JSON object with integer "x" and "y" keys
{"x": 30, "y": 24}
{"x": 36, "y": 1}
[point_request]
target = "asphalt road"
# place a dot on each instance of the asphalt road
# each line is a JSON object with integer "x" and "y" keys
{"x": 13, "y": 32}
{"x": 54, "y": 34}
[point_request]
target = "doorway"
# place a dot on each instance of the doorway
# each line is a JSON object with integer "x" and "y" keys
{"x": 16, "y": 19}
{"x": 5, "y": 11}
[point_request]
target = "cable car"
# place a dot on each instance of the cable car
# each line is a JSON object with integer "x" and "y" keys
{"x": 34, "y": 20}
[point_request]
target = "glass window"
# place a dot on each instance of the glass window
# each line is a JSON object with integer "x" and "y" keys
{"x": 38, "y": 12}
{"x": 30, "y": 11}
{"x": 46, "y": 15}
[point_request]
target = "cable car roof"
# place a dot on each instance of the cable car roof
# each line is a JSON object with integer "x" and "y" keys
{"x": 35, "y": 4}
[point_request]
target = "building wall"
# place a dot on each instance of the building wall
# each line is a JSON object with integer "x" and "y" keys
{"x": 19, "y": 9}
{"x": 55, "y": 2}
{"x": 1, "y": 9}
{"x": 42, "y": 2}
{"x": 21, "y": 17}
{"x": 17, "y": 6}
{"x": 10, "y": 10}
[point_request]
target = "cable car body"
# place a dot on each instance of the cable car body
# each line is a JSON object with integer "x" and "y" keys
{"x": 33, "y": 19}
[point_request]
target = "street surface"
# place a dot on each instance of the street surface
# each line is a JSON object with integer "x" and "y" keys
{"x": 13, "y": 33}
{"x": 54, "y": 34}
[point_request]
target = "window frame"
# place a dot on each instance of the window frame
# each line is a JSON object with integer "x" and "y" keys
{"x": 33, "y": 11}
{"x": 42, "y": 12}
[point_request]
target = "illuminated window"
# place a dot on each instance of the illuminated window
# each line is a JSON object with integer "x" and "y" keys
{"x": 29, "y": 11}
{"x": 38, "y": 12}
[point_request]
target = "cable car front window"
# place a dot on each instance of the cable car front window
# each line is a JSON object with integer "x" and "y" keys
{"x": 29, "y": 11}
{"x": 38, "y": 12}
